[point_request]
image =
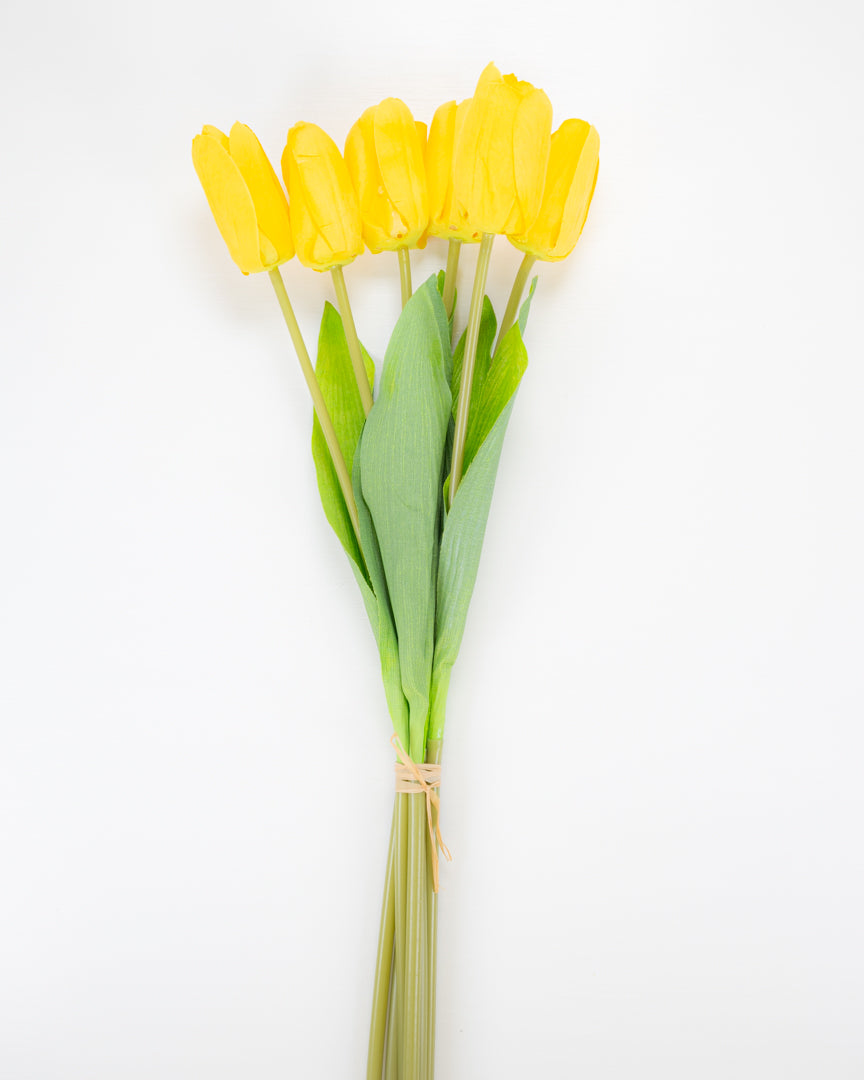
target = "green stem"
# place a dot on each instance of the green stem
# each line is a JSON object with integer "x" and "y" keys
{"x": 433, "y": 757}
{"x": 318, "y": 402}
{"x": 405, "y": 274}
{"x": 383, "y": 964}
{"x": 391, "y": 1061}
{"x": 471, "y": 337}
{"x": 398, "y": 1017}
{"x": 516, "y": 292}
{"x": 414, "y": 1000}
{"x": 352, "y": 339}
{"x": 454, "y": 247}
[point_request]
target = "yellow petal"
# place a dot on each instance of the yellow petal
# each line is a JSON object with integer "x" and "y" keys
{"x": 271, "y": 206}
{"x": 215, "y": 133}
{"x": 403, "y": 173}
{"x": 500, "y": 154}
{"x": 581, "y": 194}
{"x": 229, "y": 201}
{"x": 325, "y": 215}
{"x": 532, "y": 126}
{"x": 439, "y": 162}
{"x": 482, "y": 156}
{"x": 376, "y": 211}
{"x": 570, "y": 180}
{"x": 444, "y": 222}
{"x": 384, "y": 155}
{"x": 422, "y": 135}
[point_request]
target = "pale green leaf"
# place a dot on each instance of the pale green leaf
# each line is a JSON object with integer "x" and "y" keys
{"x": 465, "y": 527}
{"x": 459, "y": 558}
{"x": 401, "y": 460}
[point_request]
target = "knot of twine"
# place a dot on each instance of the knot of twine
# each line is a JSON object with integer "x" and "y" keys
{"x": 416, "y": 778}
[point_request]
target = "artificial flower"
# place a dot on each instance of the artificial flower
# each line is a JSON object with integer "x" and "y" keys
{"x": 384, "y": 155}
{"x": 245, "y": 196}
{"x": 443, "y": 219}
{"x": 325, "y": 214}
{"x": 500, "y": 154}
{"x": 570, "y": 179}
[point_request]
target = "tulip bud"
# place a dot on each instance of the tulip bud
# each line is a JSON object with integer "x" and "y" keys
{"x": 443, "y": 219}
{"x": 500, "y": 154}
{"x": 384, "y": 155}
{"x": 324, "y": 211}
{"x": 570, "y": 179}
{"x": 245, "y": 197}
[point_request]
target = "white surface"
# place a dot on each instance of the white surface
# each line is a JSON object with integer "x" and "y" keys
{"x": 661, "y": 676}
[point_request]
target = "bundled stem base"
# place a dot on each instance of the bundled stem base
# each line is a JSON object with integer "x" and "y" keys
{"x": 402, "y": 1030}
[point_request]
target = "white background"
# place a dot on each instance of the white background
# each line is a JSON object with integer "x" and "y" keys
{"x": 654, "y": 754}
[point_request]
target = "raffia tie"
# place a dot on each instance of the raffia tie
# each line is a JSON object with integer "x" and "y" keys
{"x": 415, "y": 778}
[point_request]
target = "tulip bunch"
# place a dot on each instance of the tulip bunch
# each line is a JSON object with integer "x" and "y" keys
{"x": 406, "y": 477}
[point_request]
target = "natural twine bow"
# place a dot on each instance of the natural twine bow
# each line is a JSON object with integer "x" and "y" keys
{"x": 412, "y": 779}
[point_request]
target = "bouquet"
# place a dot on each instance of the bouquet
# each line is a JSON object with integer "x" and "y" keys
{"x": 406, "y": 473}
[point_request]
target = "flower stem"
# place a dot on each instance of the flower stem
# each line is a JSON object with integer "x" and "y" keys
{"x": 472, "y": 335}
{"x": 391, "y": 1061}
{"x": 405, "y": 274}
{"x": 516, "y": 292}
{"x": 397, "y": 1019}
{"x": 454, "y": 247}
{"x": 352, "y": 339}
{"x": 414, "y": 998}
{"x": 433, "y": 757}
{"x": 318, "y": 402}
{"x": 381, "y": 992}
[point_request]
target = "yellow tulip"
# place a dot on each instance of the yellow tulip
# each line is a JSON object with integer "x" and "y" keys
{"x": 324, "y": 212}
{"x": 500, "y": 154}
{"x": 443, "y": 219}
{"x": 570, "y": 179}
{"x": 384, "y": 155}
{"x": 245, "y": 196}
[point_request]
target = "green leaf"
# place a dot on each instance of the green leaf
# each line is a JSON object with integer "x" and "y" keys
{"x": 485, "y": 341}
{"x": 458, "y": 560}
{"x": 489, "y": 398}
{"x": 499, "y": 385}
{"x": 377, "y": 601}
{"x": 465, "y": 527}
{"x": 439, "y": 285}
{"x": 400, "y": 479}
{"x": 339, "y": 387}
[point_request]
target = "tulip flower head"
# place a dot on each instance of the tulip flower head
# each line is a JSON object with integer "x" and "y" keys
{"x": 570, "y": 180}
{"x": 324, "y": 211}
{"x": 500, "y": 154}
{"x": 384, "y": 155}
{"x": 444, "y": 222}
{"x": 245, "y": 197}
